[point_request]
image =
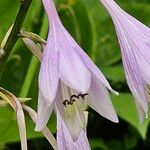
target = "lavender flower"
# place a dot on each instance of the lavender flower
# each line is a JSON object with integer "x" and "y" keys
{"x": 134, "y": 39}
{"x": 69, "y": 80}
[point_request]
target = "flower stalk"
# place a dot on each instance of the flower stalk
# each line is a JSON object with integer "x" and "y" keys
{"x": 13, "y": 36}
{"x": 46, "y": 132}
{"x": 15, "y": 104}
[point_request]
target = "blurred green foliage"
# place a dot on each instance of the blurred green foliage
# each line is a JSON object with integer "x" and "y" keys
{"x": 91, "y": 26}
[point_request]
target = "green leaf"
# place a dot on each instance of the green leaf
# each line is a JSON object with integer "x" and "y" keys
{"x": 125, "y": 107}
{"x": 7, "y": 15}
{"x": 98, "y": 144}
{"x": 9, "y": 130}
{"x": 105, "y": 46}
{"x": 114, "y": 73}
{"x": 77, "y": 21}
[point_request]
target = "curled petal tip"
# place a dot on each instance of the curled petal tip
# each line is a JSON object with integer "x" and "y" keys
{"x": 114, "y": 92}
{"x": 116, "y": 120}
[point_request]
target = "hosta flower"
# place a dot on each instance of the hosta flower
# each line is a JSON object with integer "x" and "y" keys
{"x": 69, "y": 80}
{"x": 134, "y": 39}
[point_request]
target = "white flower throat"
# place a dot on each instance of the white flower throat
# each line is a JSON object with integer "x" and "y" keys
{"x": 74, "y": 104}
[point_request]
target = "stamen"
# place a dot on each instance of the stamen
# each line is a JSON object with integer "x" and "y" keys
{"x": 148, "y": 91}
{"x": 148, "y": 88}
{"x": 65, "y": 102}
{"x": 82, "y": 96}
{"x": 81, "y": 122}
{"x": 73, "y": 98}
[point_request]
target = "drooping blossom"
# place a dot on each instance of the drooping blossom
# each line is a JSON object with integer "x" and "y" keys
{"x": 134, "y": 39}
{"x": 69, "y": 80}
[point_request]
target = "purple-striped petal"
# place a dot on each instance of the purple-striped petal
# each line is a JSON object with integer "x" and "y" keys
{"x": 134, "y": 39}
{"x": 133, "y": 73}
{"x": 43, "y": 113}
{"x": 72, "y": 70}
{"x": 48, "y": 77}
{"x": 99, "y": 100}
{"x": 94, "y": 69}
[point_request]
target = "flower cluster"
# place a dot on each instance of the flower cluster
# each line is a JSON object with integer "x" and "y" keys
{"x": 69, "y": 81}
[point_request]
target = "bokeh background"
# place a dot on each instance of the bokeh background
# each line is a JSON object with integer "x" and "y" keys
{"x": 91, "y": 26}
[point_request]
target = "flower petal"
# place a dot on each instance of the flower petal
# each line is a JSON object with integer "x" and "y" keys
{"x": 48, "y": 77}
{"x": 137, "y": 35}
{"x": 72, "y": 115}
{"x": 64, "y": 138}
{"x": 72, "y": 122}
{"x": 134, "y": 76}
{"x": 72, "y": 70}
{"x": 94, "y": 69}
{"x": 99, "y": 100}
{"x": 128, "y": 18}
{"x": 141, "y": 112}
{"x": 143, "y": 66}
{"x": 134, "y": 39}
{"x": 43, "y": 114}
{"x": 82, "y": 143}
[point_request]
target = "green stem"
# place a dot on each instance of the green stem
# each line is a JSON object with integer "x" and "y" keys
{"x": 13, "y": 37}
{"x": 29, "y": 77}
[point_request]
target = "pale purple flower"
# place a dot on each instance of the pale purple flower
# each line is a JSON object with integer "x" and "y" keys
{"x": 134, "y": 39}
{"x": 69, "y": 80}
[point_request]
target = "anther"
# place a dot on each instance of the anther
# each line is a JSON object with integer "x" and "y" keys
{"x": 82, "y": 96}
{"x": 73, "y": 98}
{"x": 65, "y": 102}
{"x": 148, "y": 89}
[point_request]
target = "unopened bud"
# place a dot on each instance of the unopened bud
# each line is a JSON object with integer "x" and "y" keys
{"x": 32, "y": 36}
{"x": 5, "y": 38}
{"x": 33, "y": 48}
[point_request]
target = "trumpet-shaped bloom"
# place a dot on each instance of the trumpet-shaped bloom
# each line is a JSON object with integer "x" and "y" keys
{"x": 69, "y": 80}
{"x": 134, "y": 39}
